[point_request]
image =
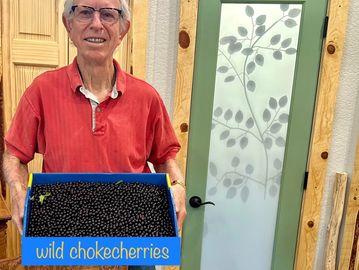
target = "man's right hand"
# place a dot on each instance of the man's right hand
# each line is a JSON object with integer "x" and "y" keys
{"x": 18, "y": 195}
{"x": 16, "y": 176}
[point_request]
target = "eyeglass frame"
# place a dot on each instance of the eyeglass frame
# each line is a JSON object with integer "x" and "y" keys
{"x": 98, "y": 10}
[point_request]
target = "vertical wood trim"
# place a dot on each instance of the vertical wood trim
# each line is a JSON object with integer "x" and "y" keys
{"x": 184, "y": 76}
{"x": 335, "y": 220}
{"x": 349, "y": 253}
{"x": 184, "y": 79}
{"x": 139, "y": 40}
{"x": 322, "y": 133}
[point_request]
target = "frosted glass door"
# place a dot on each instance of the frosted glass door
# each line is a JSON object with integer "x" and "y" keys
{"x": 253, "y": 88}
{"x": 253, "y": 98}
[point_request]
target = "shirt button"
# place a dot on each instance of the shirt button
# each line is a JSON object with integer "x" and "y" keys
{"x": 98, "y": 109}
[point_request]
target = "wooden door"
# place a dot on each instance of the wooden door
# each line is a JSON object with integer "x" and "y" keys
{"x": 34, "y": 40}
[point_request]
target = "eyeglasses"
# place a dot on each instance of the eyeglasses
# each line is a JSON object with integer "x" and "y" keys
{"x": 86, "y": 14}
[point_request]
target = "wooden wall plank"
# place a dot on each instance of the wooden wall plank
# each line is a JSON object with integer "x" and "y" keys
{"x": 322, "y": 133}
{"x": 184, "y": 79}
{"x": 350, "y": 249}
{"x": 139, "y": 41}
{"x": 335, "y": 220}
{"x": 184, "y": 76}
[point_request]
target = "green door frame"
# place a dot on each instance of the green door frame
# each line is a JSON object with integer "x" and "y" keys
{"x": 298, "y": 136}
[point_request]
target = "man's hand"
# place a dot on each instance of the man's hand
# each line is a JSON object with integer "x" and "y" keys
{"x": 18, "y": 195}
{"x": 179, "y": 193}
{"x": 16, "y": 176}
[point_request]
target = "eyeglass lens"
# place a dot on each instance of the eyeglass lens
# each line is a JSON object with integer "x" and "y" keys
{"x": 86, "y": 14}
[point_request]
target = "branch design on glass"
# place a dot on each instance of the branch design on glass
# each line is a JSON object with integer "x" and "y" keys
{"x": 242, "y": 57}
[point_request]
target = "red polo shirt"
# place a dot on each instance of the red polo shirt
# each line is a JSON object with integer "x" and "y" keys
{"x": 54, "y": 119}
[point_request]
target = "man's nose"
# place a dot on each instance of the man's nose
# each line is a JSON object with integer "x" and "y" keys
{"x": 96, "y": 20}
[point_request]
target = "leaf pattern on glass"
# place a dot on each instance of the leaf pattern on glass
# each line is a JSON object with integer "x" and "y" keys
{"x": 273, "y": 104}
{"x": 251, "y": 85}
{"x": 231, "y": 193}
{"x": 218, "y": 112}
{"x": 249, "y": 11}
{"x": 227, "y": 182}
{"x": 275, "y": 39}
{"x": 280, "y": 141}
{"x": 213, "y": 169}
{"x": 283, "y": 101}
{"x": 239, "y": 117}
{"x": 277, "y": 55}
{"x": 228, "y": 115}
{"x": 273, "y": 190}
{"x": 242, "y": 31}
{"x": 224, "y": 135}
{"x": 222, "y": 69}
{"x": 290, "y": 23}
{"x": 240, "y": 128}
{"x": 247, "y": 51}
{"x": 259, "y": 59}
{"x": 251, "y": 67}
{"x": 294, "y": 12}
{"x": 227, "y": 39}
{"x": 229, "y": 79}
{"x": 235, "y": 162}
{"x": 267, "y": 115}
{"x": 277, "y": 164}
{"x": 268, "y": 142}
{"x": 237, "y": 181}
{"x": 283, "y": 118}
{"x": 244, "y": 193}
{"x": 286, "y": 43}
{"x": 243, "y": 142}
{"x": 261, "y": 19}
{"x": 275, "y": 128}
{"x": 290, "y": 51}
{"x": 231, "y": 142}
{"x": 260, "y": 30}
{"x": 250, "y": 122}
{"x": 234, "y": 47}
{"x": 284, "y": 7}
{"x": 249, "y": 169}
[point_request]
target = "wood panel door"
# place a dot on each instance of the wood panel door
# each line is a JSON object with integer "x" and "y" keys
{"x": 34, "y": 40}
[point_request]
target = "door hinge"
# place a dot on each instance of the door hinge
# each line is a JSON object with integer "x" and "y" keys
{"x": 325, "y": 26}
{"x": 305, "y": 180}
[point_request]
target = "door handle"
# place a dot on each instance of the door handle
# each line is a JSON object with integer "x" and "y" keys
{"x": 196, "y": 202}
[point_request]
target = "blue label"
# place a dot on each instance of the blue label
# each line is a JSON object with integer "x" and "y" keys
{"x": 101, "y": 251}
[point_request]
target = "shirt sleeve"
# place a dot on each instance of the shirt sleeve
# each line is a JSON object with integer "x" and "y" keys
{"x": 165, "y": 144}
{"x": 21, "y": 138}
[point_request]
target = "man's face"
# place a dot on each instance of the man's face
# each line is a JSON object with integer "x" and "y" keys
{"x": 95, "y": 39}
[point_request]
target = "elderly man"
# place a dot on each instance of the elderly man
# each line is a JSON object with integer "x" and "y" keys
{"x": 91, "y": 116}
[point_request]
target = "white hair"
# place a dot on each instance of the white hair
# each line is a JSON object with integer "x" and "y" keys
{"x": 123, "y": 6}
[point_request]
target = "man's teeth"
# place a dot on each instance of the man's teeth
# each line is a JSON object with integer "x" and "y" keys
{"x": 95, "y": 40}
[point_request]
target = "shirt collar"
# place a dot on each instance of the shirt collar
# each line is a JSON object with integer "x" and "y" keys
{"x": 76, "y": 81}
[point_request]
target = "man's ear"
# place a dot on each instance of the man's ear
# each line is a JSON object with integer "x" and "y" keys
{"x": 125, "y": 27}
{"x": 66, "y": 23}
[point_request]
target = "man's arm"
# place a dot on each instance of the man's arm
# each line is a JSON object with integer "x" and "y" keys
{"x": 16, "y": 176}
{"x": 178, "y": 186}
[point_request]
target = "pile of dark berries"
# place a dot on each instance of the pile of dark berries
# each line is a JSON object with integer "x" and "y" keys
{"x": 99, "y": 209}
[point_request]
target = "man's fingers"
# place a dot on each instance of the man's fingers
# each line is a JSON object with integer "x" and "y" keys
{"x": 19, "y": 223}
{"x": 180, "y": 218}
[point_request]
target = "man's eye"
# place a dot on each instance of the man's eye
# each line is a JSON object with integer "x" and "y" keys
{"x": 107, "y": 14}
{"x": 86, "y": 13}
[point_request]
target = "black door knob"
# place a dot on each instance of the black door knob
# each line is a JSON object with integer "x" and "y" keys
{"x": 196, "y": 202}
